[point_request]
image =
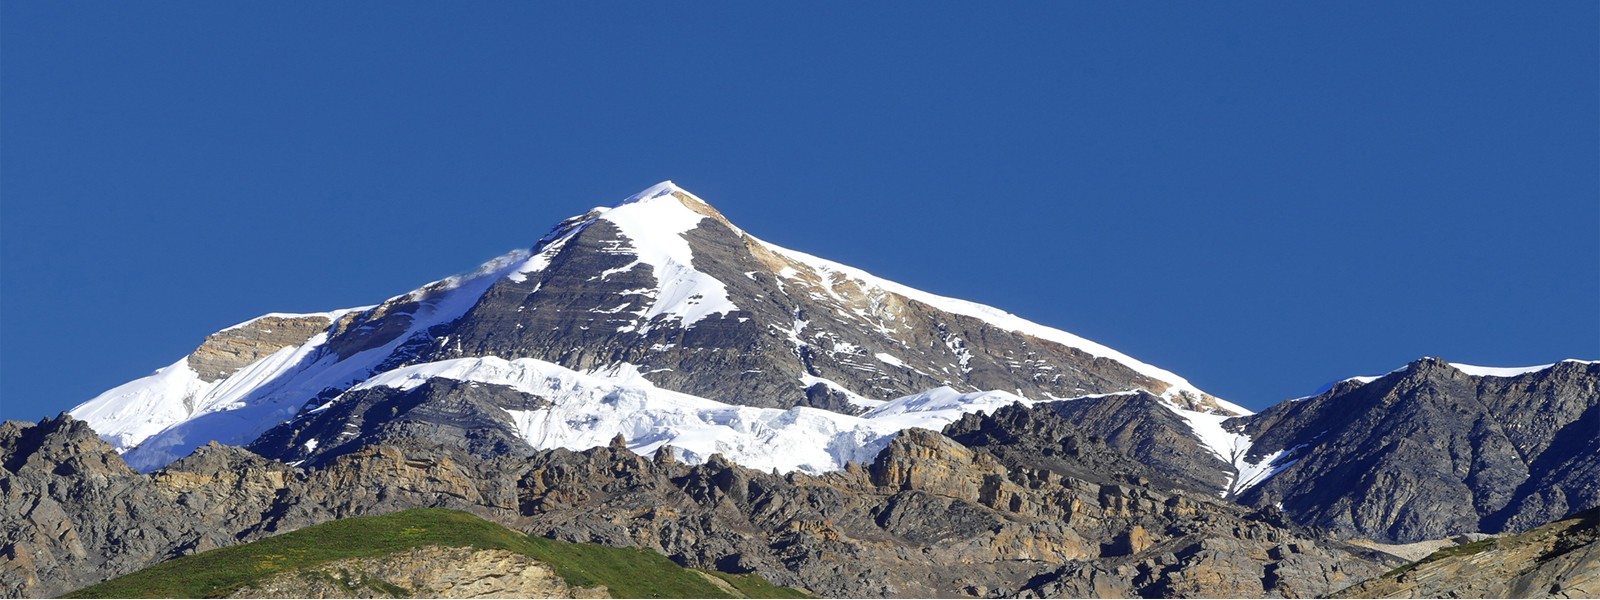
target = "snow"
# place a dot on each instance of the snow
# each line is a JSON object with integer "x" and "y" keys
{"x": 127, "y": 414}
{"x": 1477, "y": 371}
{"x": 1253, "y": 473}
{"x": 589, "y": 409}
{"x": 1233, "y": 449}
{"x": 157, "y": 419}
{"x": 654, "y": 222}
{"x": 332, "y": 316}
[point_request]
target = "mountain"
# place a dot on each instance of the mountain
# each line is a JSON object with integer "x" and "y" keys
{"x": 649, "y": 375}
{"x": 656, "y": 318}
{"x": 1432, "y": 450}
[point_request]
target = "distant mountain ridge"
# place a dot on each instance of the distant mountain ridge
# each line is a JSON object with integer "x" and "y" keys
{"x": 1434, "y": 449}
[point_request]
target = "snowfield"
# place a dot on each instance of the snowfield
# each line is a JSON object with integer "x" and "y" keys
{"x": 589, "y": 409}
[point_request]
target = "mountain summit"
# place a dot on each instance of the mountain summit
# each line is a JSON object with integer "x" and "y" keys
{"x": 656, "y": 318}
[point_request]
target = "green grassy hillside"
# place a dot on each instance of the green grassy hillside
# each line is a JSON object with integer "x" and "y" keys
{"x": 626, "y": 572}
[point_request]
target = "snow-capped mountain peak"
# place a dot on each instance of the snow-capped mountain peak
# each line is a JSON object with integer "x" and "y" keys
{"x": 659, "y": 294}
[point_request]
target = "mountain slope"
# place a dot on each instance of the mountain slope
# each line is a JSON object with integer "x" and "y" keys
{"x": 658, "y": 300}
{"x": 420, "y": 552}
{"x": 1558, "y": 560}
{"x": 1434, "y": 450}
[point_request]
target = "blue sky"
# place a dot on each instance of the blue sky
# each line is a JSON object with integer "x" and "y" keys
{"x": 1261, "y": 197}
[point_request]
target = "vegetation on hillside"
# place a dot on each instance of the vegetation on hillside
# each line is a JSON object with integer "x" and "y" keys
{"x": 625, "y": 572}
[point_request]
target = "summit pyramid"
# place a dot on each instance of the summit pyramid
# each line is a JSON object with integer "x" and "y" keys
{"x": 656, "y": 318}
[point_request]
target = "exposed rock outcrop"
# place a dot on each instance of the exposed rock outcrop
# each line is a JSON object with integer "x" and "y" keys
{"x": 428, "y": 572}
{"x": 229, "y": 350}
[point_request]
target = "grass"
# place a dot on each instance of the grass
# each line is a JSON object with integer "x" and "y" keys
{"x": 626, "y": 572}
{"x": 756, "y": 586}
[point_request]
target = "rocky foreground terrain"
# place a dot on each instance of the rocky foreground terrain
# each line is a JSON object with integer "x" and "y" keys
{"x": 931, "y": 516}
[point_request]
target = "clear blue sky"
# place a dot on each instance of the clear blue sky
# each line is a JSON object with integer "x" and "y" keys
{"x": 1261, "y": 197}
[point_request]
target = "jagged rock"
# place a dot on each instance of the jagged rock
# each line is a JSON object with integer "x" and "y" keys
{"x": 961, "y": 518}
{"x": 566, "y": 315}
{"x": 1121, "y": 438}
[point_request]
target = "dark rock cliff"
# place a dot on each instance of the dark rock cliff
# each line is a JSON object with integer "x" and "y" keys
{"x": 1428, "y": 452}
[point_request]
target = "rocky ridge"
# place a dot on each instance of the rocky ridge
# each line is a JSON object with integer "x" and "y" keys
{"x": 930, "y": 517}
{"x": 1430, "y": 451}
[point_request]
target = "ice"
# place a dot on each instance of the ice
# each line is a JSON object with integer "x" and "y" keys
{"x": 588, "y": 409}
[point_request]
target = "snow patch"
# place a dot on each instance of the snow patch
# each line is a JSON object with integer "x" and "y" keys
{"x": 1477, "y": 371}
{"x": 654, "y": 222}
{"x": 1233, "y": 449}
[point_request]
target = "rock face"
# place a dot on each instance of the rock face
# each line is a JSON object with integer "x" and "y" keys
{"x": 930, "y": 517}
{"x": 1139, "y": 426}
{"x": 428, "y": 572}
{"x": 227, "y": 351}
{"x": 1431, "y": 451}
{"x": 1558, "y": 560}
{"x": 468, "y": 415}
{"x": 794, "y": 318}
